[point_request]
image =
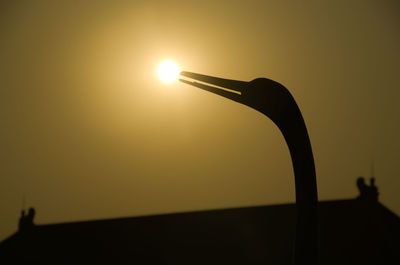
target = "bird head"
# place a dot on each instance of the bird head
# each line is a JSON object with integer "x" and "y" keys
{"x": 262, "y": 94}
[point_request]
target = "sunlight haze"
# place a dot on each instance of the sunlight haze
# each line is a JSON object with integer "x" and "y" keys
{"x": 89, "y": 130}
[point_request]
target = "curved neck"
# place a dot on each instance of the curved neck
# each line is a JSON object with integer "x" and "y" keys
{"x": 297, "y": 139}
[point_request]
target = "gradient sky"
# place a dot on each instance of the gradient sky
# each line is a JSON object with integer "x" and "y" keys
{"x": 89, "y": 131}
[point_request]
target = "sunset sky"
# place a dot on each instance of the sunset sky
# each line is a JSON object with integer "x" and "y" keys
{"x": 89, "y": 131}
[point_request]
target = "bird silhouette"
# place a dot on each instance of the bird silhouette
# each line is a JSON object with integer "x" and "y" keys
{"x": 275, "y": 101}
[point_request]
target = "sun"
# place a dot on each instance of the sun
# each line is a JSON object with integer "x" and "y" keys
{"x": 168, "y": 71}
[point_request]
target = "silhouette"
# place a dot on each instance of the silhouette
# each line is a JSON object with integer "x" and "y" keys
{"x": 374, "y": 189}
{"x": 26, "y": 221}
{"x": 367, "y": 193}
{"x": 275, "y": 101}
{"x": 351, "y": 232}
{"x": 21, "y": 220}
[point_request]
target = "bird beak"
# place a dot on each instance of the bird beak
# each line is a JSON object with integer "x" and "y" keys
{"x": 227, "y": 88}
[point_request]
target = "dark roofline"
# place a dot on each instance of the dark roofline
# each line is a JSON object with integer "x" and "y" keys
{"x": 280, "y": 205}
{"x": 183, "y": 213}
{"x": 116, "y": 219}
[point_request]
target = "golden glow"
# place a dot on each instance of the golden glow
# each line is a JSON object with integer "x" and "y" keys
{"x": 168, "y": 71}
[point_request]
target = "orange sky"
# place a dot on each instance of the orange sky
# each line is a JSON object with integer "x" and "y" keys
{"x": 89, "y": 131}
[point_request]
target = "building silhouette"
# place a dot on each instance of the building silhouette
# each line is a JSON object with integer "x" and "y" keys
{"x": 351, "y": 231}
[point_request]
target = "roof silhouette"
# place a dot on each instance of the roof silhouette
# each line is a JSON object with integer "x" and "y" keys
{"x": 354, "y": 231}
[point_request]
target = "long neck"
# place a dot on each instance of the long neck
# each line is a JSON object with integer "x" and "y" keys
{"x": 297, "y": 139}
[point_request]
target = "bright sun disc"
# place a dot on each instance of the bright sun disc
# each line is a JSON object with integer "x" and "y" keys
{"x": 168, "y": 71}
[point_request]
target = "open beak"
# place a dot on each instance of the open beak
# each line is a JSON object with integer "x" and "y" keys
{"x": 227, "y": 88}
